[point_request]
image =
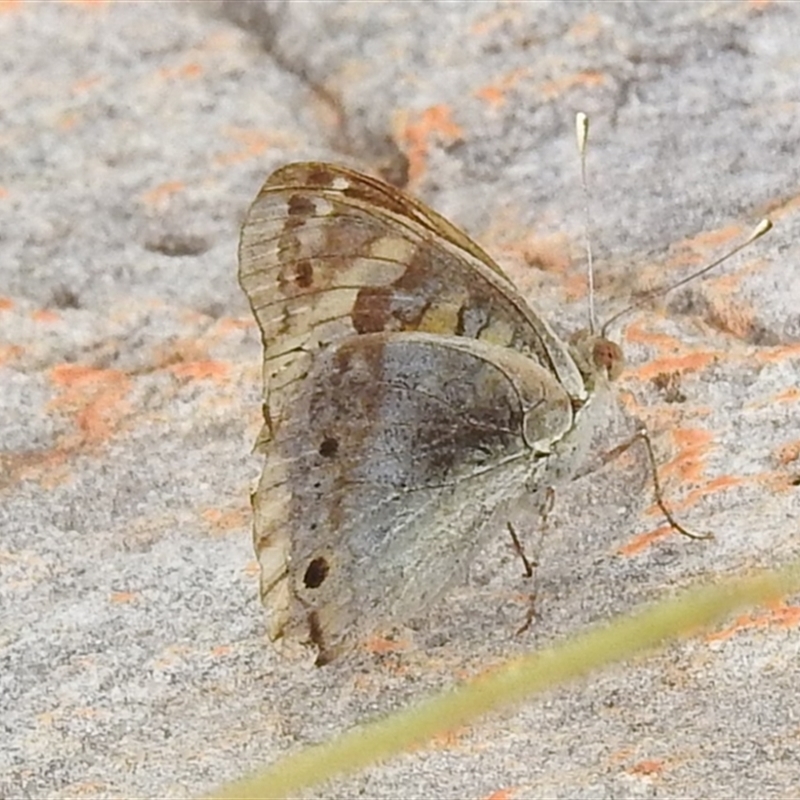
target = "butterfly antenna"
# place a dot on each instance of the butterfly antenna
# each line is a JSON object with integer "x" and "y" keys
{"x": 582, "y": 135}
{"x": 760, "y": 229}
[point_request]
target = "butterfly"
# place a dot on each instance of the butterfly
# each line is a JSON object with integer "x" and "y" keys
{"x": 410, "y": 393}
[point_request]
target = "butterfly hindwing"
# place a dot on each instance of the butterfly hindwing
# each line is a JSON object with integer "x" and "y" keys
{"x": 399, "y": 449}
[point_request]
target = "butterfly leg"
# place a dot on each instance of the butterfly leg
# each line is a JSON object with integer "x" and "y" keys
{"x": 519, "y": 550}
{"x": 544, "y": 512}
{"x": 641, "y": 435}
{"x": 529, "y": 565}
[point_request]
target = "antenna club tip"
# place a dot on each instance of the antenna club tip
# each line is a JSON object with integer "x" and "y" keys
{"x": 581, "y": 130}
{"x": 762, "y": 228}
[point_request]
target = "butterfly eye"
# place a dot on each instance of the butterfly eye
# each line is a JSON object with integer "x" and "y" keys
{"x": 608, "y": 356}
{"x": 329, "y": 447}
{"x": 316, "y": 572}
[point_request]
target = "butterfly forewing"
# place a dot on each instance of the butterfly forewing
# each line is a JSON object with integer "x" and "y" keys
{"x": 326, "y": 253}
{"x": 376, "y": 194}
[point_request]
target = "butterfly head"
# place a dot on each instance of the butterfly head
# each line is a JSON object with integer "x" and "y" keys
{"x": 598, "y": 359}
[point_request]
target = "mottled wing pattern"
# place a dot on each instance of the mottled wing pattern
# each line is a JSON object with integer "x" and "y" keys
{"x": 327, "y": 253}
{"x": 408, "y": 390}
{"x": 377, "y": 194}
{"x": 399, "y": 448}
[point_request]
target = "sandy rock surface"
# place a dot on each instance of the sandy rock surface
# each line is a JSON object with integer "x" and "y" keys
{"x": 133, "y": 660}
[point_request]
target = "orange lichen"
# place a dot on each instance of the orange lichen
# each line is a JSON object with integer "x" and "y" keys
{"x": 45, "y": 315}
{"x": 730, "y": 316}
{"x": 502, "y": 794}
{"x": 779, "y": 615}
{"x": 94, "y": 398}
{"x": 638, "y": 333}
{"x": 252, "y": 144}
{"x": 553, "y": 89}
{"x": 494, "y": 94}
{"x": 84, "y": 84}
{"x": 222, "y": 521}
{"x": 587, "y": 28}
{"x": 778, "y": 209}
{"x": 449, "y": 739}
{"x": 228, "y": 325}
{"x": 189, "y": 70}
{"x": 712, "y": 239}
{"x": 652, "y": 766}
{"x": 381, "y": 645}
{"x": 123, "y": 597}
{"x": 688, "y": 362}
{"x": 251, "y": 568}
{"x": 642, "y": 541}
{"x": 505, "y": 14}
{"x": 773, "y": 355}
{"x": 158, "y": 196}
{"x": 435, "y": 121}
{"x": 201, "y": 370}
{"x": 94, "y": 401}
{"x": 693, "y": 445}
{"x": 719, "y": 484}
{"x": 10, "y": 353}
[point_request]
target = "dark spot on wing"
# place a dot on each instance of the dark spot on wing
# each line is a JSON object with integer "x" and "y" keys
{"x": 400, "y": 306}
{"x": 320, "y": 177}
{"x": 372, "y": 309}
{"x": 316, "y": 572}
{"x": 299, "y": 205}
{"x": 289, "y": 246}
{"x": 329, "y": 447}
{"x": 303, "y": 274}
